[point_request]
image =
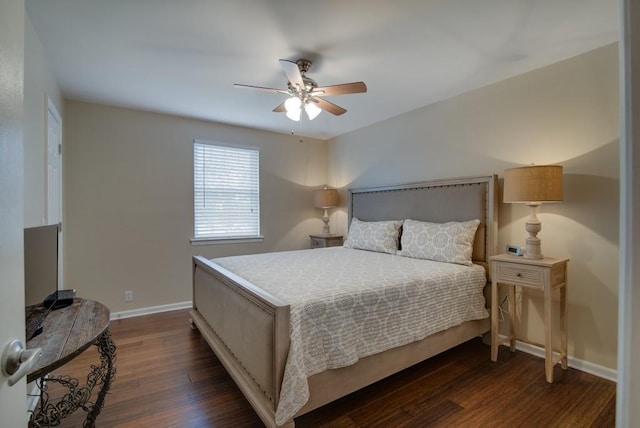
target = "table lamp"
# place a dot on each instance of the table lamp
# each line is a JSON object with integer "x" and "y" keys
{"x": 325, "y": 199}
{"x": 533, "y": 185}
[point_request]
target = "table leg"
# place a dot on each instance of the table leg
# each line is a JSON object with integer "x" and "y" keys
{"x": 494, "y": 321}
{"x": 512, "y": 317}
{"x": 548, "y": 343}
{"x": 103, "y": 374}
{"x": 563, "y": 326}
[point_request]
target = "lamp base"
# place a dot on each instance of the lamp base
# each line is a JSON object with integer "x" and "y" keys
{"x": 533, "y": 249}
{"x": 325, "y": 220}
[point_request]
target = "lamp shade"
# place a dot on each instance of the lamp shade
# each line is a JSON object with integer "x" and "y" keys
{"x": 541, "y": 183}
{"x": 325, "y": 198}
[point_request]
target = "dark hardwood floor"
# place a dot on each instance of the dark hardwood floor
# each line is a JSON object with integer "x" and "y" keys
{"x": 168, "y": 377}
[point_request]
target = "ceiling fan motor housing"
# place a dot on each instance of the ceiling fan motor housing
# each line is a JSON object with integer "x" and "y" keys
{"x": 303, "y": 65}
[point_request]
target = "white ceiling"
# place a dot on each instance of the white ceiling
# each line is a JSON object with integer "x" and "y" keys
{"x": 183, "y": 57}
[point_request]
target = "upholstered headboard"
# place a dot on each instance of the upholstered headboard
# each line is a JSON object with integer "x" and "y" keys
{"x": 437, "y": 201}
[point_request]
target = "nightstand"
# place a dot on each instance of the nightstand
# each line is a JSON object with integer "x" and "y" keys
{"x": 547, "y": 275}
{"x": 322, "y": 241}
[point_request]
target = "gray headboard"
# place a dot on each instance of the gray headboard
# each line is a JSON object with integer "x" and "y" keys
{"x": 437, "y": 201}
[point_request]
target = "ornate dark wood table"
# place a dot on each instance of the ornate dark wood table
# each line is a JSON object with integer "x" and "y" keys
{"x": 68, "y": 332}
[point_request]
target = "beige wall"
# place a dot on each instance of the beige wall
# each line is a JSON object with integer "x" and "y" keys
{"x": 128, "y": 200}
{"x": 566, "y": 114}
{"x": 39, "y": 83}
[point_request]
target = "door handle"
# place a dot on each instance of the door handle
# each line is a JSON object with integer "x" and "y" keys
{"x": 17, "y": 361}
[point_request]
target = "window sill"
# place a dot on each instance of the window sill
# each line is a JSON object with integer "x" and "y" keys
{"x": 228, "y": 240}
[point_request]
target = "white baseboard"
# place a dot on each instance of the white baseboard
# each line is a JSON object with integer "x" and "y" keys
{"x": 576, "y": 363}
{"x": 150, "y": 310}
{"x": 573, "y": 362}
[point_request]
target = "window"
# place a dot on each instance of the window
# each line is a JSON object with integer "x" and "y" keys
{"x": 226, "y": 189}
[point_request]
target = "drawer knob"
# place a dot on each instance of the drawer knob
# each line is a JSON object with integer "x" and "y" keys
{"x": 519, "y": 275}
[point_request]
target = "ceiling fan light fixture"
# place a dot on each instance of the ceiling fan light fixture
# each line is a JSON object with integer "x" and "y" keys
{"x": 292, "y": 103}
{"x": 294, "y": 115}
{"x": 292, "y": 106}
{"x": 312, "y": 110}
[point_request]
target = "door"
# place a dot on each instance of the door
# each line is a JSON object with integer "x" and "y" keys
{"x": 13, "y": 399}
{"x": 628, "y": 392}
{"x": 54, "y": 177}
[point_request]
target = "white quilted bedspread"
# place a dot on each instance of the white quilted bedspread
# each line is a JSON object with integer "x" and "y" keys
{"x": 347, "y": 304}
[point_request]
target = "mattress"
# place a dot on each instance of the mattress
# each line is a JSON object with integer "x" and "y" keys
{"x": 347, "y": 304}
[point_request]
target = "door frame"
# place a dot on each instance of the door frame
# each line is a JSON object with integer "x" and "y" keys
{"x": 51, "y": 187}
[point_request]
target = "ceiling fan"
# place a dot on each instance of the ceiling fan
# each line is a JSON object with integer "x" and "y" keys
{"x": 305, "y": 93}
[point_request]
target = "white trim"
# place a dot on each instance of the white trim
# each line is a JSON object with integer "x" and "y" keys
{"x": 576, "y": 363}
{"x": 573, "y": 362}
{"x": 224, "y": 144}
{"x": 150, "y": 310}
{"x": 228, "y": 240}
{"x": 628, "y": 390}
{"x": 51, "y": 108}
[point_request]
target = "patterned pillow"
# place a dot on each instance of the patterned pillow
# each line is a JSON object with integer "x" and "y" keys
{"x": 379, "y": 236}
{"x": 442, "y": 242}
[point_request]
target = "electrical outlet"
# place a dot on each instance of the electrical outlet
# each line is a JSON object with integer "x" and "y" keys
{"x": 128, "y": 296}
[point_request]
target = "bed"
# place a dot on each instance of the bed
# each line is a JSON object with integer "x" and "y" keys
{"x": 254, "y": 330}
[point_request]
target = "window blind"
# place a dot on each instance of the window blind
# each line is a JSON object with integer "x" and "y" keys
{"x": 226, "y": 186}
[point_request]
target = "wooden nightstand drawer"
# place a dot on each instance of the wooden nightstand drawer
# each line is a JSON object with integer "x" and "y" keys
{"x": 516, "y": 273}
{"x": 321, "y": 241}
{"x": 317, "y": 243}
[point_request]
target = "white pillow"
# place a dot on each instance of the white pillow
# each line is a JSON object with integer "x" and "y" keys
{"x": 442, "y": 242}
{"x": 379, "y": 236}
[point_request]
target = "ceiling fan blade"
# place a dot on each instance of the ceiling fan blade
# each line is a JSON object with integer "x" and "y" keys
{"x": 293, "y": 73}
{"x": 280, "y": 108}
{"x": 280, "y": 91}
{"x": 345, "y": 88}
{"x": 329, "y": 107}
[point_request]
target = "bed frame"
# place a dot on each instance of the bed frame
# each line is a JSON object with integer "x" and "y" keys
{"x": 248, "y": 329}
